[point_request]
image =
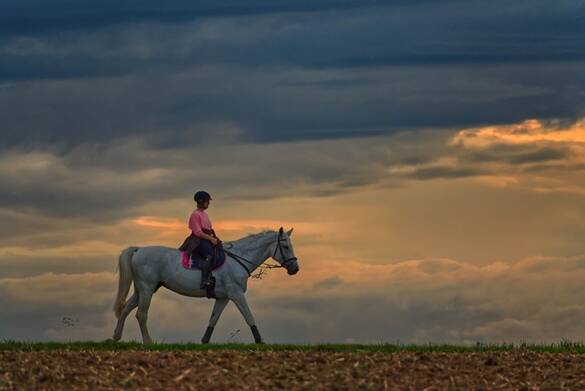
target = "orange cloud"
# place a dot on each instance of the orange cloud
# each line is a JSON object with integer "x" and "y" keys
{"x": 533, "y": 154}
{"x": 528, "y": 131}
{"x": 160, "y": 222}
{"x": 496, "y": 180}
{"x": 175, "y": 226}
{"x": 251, "y": 225}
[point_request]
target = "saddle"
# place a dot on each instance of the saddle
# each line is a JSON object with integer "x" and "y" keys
{"x": 190, "y": 244}
{"x": 191, "y": 259}
{"x": 195, "y": 261}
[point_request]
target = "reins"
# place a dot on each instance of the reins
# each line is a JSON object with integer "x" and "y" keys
{"x": 239, "y": 260}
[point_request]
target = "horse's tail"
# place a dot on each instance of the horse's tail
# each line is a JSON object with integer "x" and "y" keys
{"x": 125, "y": 267}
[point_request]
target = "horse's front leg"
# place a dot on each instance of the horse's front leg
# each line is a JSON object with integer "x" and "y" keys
{"x": 217, "y": 310}
{"x": 240, "y": 300}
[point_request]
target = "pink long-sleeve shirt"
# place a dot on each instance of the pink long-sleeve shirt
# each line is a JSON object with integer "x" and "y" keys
{"x": 199, "y": 220}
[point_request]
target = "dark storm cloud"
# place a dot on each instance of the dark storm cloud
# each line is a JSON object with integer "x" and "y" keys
{"x": 36, "y": 17}
{"x": 282, "y": 71}
{"x": 393, "y": 33}
{"x": 176, "y": 109}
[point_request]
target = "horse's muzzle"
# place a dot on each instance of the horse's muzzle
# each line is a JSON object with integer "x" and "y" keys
{"x": 293, "y": 270}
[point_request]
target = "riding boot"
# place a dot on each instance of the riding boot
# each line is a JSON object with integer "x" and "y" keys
{"x": 206, "y": 267}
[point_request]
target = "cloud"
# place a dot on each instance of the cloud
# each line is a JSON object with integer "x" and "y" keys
{"x": 438, "y": 33}
{"x": 542, "y": 156}
{"x": 519, "y": 154}
{"x": 528, "y": 132}
{"x": 55, "y": 292}
{"x": 455, "y": 65}
{"x": 37, "y": 17}
{"x": 442, "y": 300}
{"x": 109, "y": 182}
{"x": 445, "y": 172}
{"x": 426, "y": 300}
{"x": 97, "y": 198}
{"x": 171, "y": 108}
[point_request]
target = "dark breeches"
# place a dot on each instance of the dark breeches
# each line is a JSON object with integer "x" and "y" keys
{"x": 205, "y": 248}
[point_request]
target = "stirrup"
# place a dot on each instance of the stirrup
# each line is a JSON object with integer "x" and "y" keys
{"x": 208, "y": 283}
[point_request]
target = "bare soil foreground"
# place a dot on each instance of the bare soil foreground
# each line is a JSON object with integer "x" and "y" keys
{"x": 252, "y": 369}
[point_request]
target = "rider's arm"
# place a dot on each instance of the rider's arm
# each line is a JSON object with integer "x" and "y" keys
{"x": 206, "y": 236}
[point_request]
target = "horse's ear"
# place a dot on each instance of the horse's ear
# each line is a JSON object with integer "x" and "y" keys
{"x": 280, "y": 230}
{"x": 289, "y": 232}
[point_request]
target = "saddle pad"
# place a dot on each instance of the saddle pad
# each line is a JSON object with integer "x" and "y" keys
{"x": 197, "y": 261}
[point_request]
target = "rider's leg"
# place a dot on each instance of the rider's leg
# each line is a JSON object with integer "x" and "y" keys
{"x": 205, "y": 249}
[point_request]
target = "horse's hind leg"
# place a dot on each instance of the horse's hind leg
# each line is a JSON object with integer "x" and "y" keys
{"x": 144, "y": 297}
{"x": 128, "y": 307}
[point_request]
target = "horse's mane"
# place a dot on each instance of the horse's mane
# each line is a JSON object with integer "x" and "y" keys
{"x": 251, "y": 236}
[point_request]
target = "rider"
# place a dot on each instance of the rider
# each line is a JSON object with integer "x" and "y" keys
{"x": 200, "y": 225}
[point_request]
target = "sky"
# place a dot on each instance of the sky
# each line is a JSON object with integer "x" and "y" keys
{"x": 430, "y": 156}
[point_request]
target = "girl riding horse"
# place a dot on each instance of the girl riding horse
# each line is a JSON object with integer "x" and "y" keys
{"x": 203, "y": 238}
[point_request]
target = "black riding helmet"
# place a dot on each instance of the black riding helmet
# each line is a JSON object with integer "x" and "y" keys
{"x": 201, "y": 196}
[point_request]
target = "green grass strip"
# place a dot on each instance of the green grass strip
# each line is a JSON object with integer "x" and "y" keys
{"x": 561, "y": 347}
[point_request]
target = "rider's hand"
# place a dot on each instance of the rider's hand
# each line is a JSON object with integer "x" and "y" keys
{"x": 214, "y": 241}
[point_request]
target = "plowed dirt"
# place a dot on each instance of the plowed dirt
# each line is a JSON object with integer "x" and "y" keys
{"x": 289, "y": 370}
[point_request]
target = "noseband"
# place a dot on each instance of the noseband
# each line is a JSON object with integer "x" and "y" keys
{"x": 279, "y": 248}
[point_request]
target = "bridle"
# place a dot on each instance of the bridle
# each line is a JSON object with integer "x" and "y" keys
{"x": 279, "y": 248}
{"x": 239, "y": 258}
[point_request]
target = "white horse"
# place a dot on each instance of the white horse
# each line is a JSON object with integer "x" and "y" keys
{"x": 155, "y": 266}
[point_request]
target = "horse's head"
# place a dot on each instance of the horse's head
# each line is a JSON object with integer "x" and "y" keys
{"x": 284, "y": 253}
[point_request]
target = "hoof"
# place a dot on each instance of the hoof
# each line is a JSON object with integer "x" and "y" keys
{"x": 207, "y": 336}
{"x": 256, "y": 333}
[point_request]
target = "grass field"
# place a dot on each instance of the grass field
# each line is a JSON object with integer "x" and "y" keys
{"x": 560, "y": 347}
